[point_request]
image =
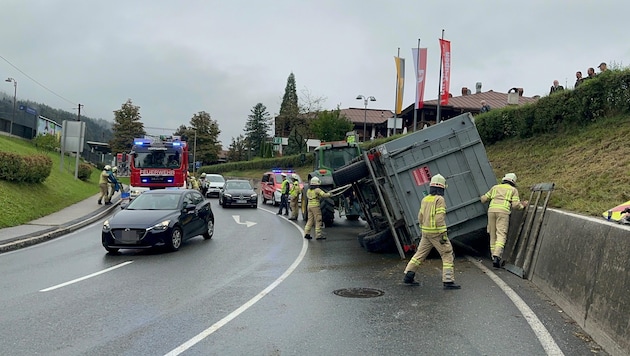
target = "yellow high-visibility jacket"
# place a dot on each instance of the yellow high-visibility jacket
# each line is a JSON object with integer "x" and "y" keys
{"x": 314, "y": 195}
{"x": 432, "y": 214}
{"x": 503, "y": 198}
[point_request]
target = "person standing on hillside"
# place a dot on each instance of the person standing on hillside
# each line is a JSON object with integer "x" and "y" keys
{"x": 102, "y": 184}
{"x": 284, "y": 195}
{"x": 590, "y": 73}
{"x": 484, "y": 107}
{"x": 578, "y": 78}
{"x": 294, "y": 196}
{"x": 556, "y": 87}
{"x": 503, "y": 198}
{"x": 432, "y": 219}
{"x": 313, "y": 195}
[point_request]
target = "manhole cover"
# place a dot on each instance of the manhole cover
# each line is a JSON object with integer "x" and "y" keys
{"x": 359, "y": 292}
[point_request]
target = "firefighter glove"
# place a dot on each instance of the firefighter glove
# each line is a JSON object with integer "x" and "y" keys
{"x": 443, "y": 238}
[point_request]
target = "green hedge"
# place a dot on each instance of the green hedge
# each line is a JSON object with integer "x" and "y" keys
{"x": 607, "y": 94}
{"x": 29, "y": 169}
{"x": 285, "y": 162}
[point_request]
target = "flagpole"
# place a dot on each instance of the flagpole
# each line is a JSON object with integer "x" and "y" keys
{"x": 396, "y": 99}
{"x": 438, "y": 117}
{"x": 415, "y": 105}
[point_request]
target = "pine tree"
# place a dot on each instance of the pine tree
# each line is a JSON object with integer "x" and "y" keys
{"x": 289, "y": 109}
{"x": 207, "y": 146}
{"x": 257, "y": 128}
{"x": 127, "y": 126}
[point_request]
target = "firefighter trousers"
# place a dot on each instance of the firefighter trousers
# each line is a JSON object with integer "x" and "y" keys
{"x": 314, "y": 218}
{"x": 104, "y": 193}
{"x": 445, "y": 250}
{"x": 293, "y": 204}
{"x": 498, "y": 224}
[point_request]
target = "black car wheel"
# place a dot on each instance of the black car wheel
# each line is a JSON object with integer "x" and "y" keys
{"x": 176, "y": 239}
{"x": 210, "y": 231}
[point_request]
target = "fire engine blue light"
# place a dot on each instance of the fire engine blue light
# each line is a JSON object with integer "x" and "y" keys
{"x": 139, "y": 143}
{"x": 170, "y": 180}
{"x": 177, "y": 143}
{"x": 145, "y": 180}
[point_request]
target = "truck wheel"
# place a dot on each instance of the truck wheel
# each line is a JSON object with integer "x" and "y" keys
{"x": 362, "y": 235}
{"x": 352, "y": 217}
{"x": 350, "y": 173}
{"x": 381, "y": 241}
{"x": 328, "y": 211}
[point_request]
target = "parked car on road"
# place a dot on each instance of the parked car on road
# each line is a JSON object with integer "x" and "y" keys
{"x": 214, "y": 182}
{"x": 238, "y": 192}
{"x": 156, "y": 218}
{"x": 271, "y": 183}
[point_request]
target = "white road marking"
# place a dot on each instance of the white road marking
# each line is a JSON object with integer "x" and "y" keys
{"x": 216, "y": 326}
{"x": 237, "y": 218}
{"x": 545, "y": 338}
{"x": 86, "y": 277}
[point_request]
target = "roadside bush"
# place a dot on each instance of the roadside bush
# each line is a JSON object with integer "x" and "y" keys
{"x": 47, "y": 143}
{"x": 28, "y": 169}
{"x": 607, "y": 94}
{"x": 85, "y": 171}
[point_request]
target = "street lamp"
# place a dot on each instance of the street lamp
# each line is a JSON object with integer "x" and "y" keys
{"x": 365, "y": 104}
{"x": 9, "y": 80}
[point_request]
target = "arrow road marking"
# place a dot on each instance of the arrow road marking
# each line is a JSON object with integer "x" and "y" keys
{"x": 237, "y": 218}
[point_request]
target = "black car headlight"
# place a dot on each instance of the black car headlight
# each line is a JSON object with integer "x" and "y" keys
{"x": 106, "y": 227}
{"x": 161, "y": 226}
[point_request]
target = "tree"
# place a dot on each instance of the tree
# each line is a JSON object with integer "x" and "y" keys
{"x": 203, "y": 137}
{"x": 289, "y": 109}
{"x": 257, "y": 128}
{"x": 331, "y": 125}
{"x": 127, "y": 126}
{"x": 238, "y": 149}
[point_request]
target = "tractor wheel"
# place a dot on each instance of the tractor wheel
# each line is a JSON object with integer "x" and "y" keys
{"x": 328, "y": 211}
{"x": 350, "y": 173}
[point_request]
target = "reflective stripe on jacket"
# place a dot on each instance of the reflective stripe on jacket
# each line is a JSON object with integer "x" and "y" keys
{"x": 502, "y": 197}
{"x": 314, "y": 195}
{"x": 295, "y": 189}
{"x": 432, "y": 214}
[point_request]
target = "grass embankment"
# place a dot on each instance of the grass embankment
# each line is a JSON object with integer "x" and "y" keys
{"x": 590, "y": 167}
{"x": 21, "y": 202}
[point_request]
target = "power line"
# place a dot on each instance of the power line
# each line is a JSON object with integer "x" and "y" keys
{"x": 38, "y": 83}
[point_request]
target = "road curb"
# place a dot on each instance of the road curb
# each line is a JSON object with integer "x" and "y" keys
{"x": 20, "y": 242}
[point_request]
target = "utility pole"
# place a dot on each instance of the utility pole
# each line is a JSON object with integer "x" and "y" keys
{"x": 79, "y": 114}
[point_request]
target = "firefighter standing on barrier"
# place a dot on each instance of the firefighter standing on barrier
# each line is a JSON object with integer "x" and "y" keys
{"x": 313, "y": 195}
{"x": 294, "y": 196}
{"x": 503, "y": 198}
{"x": 432, "y": 219}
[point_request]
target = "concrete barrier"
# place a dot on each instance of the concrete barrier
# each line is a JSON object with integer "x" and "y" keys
{"x": 583, "y": 265}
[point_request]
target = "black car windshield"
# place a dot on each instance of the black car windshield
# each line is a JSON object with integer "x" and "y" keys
{"x": 238, "y": 185}
{"x": 155, "y": 202}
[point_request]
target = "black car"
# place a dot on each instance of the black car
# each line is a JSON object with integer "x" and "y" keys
{"x": 161, "y": 217}
{"x": 238, "y": 192}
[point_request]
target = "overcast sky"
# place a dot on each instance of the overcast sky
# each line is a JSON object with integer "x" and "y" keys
{"x": 176, "y": 58}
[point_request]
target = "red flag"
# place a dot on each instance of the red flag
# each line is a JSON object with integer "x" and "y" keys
{"x": 421, "y": 69}
{"x": 446, "y": 70}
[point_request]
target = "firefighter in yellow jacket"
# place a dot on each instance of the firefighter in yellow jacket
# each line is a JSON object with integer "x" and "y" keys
{"x": 313, "y": 195}
{"x": 503, "y": 198}
{"x": 432, "y": 219}
{"x": 103, "y": 181}
{"x": 294, "y": 196}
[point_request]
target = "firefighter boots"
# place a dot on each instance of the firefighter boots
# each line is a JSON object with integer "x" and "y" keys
{"x": 409, "y": 279}
{"x": 451, "y": 285}
{"x": 308, "y": 236}
{"x": 496, "y": 262}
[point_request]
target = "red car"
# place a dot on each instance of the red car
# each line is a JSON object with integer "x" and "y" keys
{"x": 271, "y": 183}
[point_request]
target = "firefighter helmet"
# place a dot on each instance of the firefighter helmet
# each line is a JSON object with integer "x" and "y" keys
{"x": 510, "y": 177}
{"x": 108, "y": 167}
{"x": 283, "y": 174}
{"x": 438, "y": 181}
{"x": 114, "y": 169}
{"x": 203, "y": 175}
{"x": 315, "y": 181}
{"x": 295, "y": 177}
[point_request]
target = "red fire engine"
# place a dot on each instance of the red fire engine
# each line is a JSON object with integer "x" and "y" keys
{"x": 158, "y": 162}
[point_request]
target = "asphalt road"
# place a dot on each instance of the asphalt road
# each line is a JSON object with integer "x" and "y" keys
{"x": 261, "y": 289}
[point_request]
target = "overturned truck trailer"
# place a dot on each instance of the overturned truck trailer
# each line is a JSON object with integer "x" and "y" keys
{"x": 391, "y": 179}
